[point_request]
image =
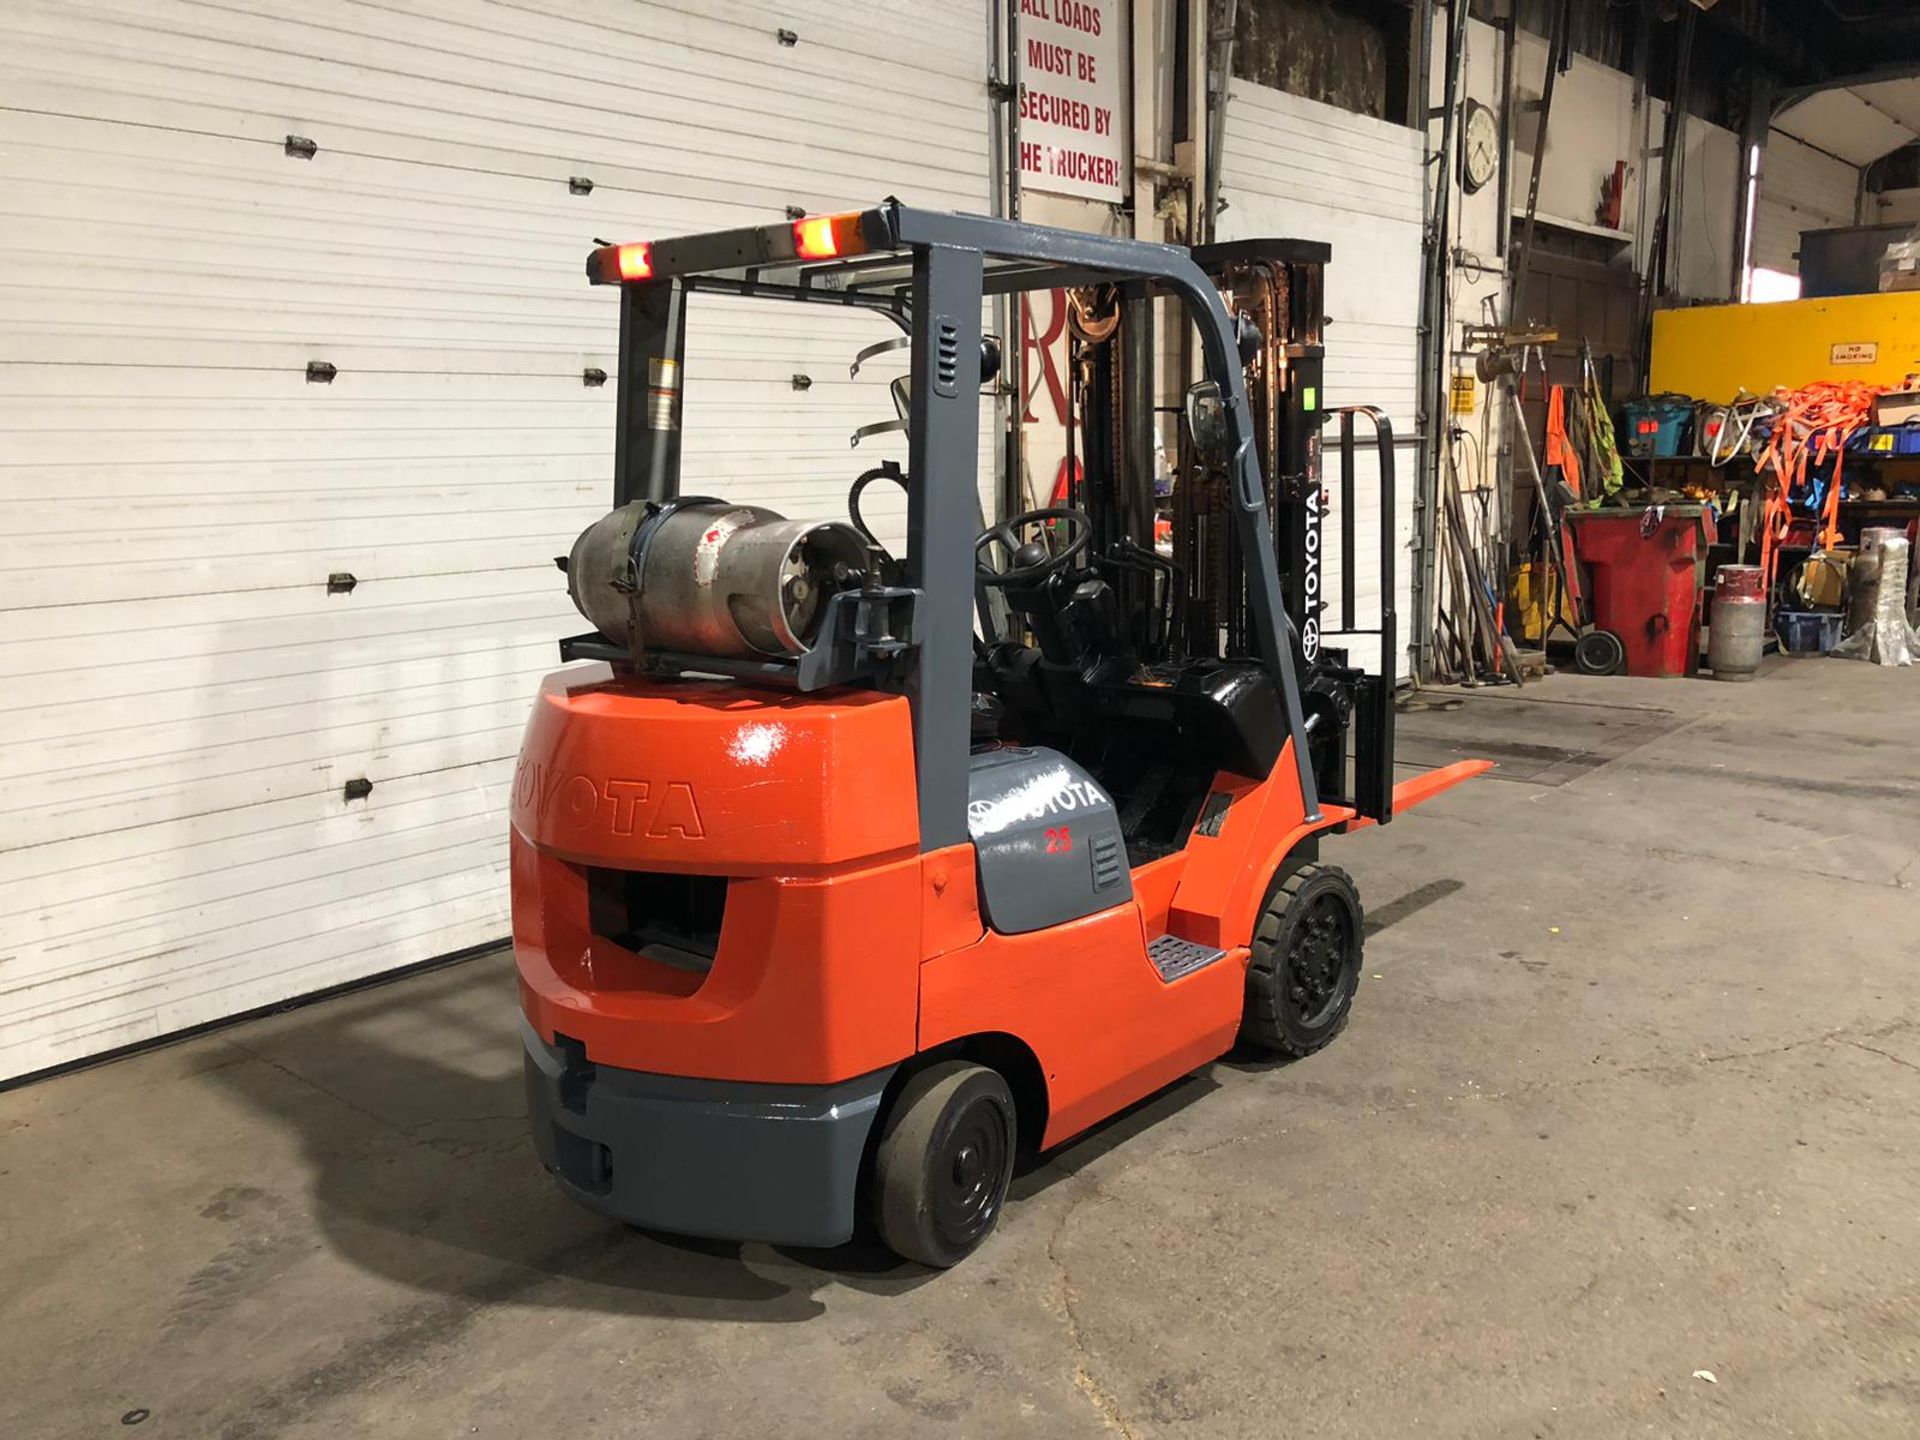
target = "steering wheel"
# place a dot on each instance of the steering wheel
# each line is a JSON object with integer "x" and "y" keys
{"x": 1031, "y": 561}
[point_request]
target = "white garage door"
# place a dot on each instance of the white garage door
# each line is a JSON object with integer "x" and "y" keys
{"x": 1801, "y": 188}
{"x": 185, "y": 705}
{"x": 1299, "y": 169}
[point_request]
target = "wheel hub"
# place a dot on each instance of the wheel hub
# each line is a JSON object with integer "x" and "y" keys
{"x": 1317, "y": 960}
{"x": 975, "y": 1153}
{"x": 967, "y": 1167}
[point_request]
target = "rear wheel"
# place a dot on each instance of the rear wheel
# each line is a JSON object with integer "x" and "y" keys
{"x": 1305, "y": 965}
{"x": 944, "y": 1161}
{"x": 1599, "y": 652}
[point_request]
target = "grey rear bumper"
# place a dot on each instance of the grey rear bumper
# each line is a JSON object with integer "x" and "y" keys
{"x": 724, "y": 1158}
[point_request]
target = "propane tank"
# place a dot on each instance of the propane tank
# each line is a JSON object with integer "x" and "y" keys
{"x": 1737, "y": 632}
{"x": 707, "y": 578}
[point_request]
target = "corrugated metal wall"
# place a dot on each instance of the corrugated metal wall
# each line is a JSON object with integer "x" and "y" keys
{"x": 1298, "y": 168}
{"x": 184, "y": 700}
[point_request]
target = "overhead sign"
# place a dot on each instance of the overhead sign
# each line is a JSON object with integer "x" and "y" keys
{"x": 1070, "y": 125}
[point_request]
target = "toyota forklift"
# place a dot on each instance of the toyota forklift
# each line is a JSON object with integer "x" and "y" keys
{"x": 843, "y": 878}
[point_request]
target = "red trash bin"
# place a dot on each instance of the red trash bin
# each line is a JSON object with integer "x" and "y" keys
{"x": 1643, "y": 582}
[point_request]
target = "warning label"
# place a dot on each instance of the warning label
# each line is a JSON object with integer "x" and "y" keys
{"x": 1070, "y": 140}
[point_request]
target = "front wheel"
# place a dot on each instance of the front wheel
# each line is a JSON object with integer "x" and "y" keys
{"x": 944, "y": 1161}
{"x": 1305, "y": 965}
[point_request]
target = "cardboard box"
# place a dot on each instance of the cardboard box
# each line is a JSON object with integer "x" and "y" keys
{"x": 1896, "y": 409}
{"x": 1822, "y": 582}
{"x": 1900, "y": 268}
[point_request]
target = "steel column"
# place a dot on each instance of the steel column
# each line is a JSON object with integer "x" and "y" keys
{"x": 943, "y": 456}
{"x": 646, "y": 437}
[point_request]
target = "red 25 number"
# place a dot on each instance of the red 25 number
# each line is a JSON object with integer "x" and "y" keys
{"x": 1060, "y": 840}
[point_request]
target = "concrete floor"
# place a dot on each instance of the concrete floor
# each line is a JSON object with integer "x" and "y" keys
{"x": 1632, "y": 1091}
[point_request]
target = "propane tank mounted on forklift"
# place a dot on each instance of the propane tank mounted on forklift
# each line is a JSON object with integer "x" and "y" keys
{"x": 842, "y": 878}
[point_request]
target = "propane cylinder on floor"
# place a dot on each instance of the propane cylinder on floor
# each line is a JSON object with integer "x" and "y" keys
{"x": 1738, "y": 631}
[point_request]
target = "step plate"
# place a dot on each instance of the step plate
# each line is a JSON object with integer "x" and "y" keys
{"x": 1174, "y": 957}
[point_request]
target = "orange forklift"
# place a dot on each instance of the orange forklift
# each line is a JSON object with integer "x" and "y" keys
{"x": 843, "y": 878}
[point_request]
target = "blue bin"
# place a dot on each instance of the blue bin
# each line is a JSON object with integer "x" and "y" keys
{"x": 1807, "y": 632}
{"x": 1899, "y": 440}
{"x": 1656, "y": 427}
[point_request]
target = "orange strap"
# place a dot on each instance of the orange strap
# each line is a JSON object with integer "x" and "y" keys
{"x": 1830, "y": 529}
{"x": 1814, "y": 423}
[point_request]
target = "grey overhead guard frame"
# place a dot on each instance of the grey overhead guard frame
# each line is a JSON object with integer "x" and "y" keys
{"x": 928, "y": 272}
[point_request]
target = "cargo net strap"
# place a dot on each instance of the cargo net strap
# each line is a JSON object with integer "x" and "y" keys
{"x": 1810, "y": 427}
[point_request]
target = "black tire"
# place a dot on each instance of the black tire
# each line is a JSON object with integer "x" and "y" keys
{"x": 1305, "y": 966}
{"x": 945, "y": 1157}
{"x": 1599, "y": 652}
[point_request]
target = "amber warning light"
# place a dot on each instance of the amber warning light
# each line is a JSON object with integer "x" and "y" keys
{"x": 611, "y": 264}
{"x": 828, "y": 237}
{"x": 635, "y": 261}
{"x": 814, "y": 238}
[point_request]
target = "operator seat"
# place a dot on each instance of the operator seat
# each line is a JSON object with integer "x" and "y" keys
{"x": 1223, "y": 714}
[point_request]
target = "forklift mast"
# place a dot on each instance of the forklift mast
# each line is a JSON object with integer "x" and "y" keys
{"x": 1198, "y": 601}
{"x": 1274, "y": 290}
